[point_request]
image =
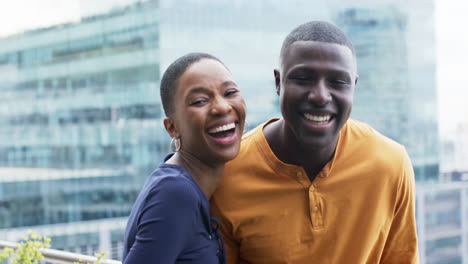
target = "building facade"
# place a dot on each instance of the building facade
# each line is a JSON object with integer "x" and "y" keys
{"x": 396, "y": 91}
{"x": 455, "y": 150}
{"x": 442, "y": 218}
{"x": 80, "y": 121}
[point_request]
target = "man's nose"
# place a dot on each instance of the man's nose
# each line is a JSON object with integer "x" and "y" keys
{"x": 319, "y": 94}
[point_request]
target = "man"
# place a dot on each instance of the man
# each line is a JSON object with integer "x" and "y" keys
{"x": 316, "y": 186}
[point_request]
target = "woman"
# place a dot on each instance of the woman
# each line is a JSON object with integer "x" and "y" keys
{"x": 170, "y": 221}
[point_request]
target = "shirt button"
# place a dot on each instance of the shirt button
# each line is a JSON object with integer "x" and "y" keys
{"x": 316, "y": 208}
{"x": 210, "y": 237}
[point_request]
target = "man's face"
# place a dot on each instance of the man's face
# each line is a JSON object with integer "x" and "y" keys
{"x": 316, "y": 84}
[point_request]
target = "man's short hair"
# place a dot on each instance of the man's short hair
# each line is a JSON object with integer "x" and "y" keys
{"x": 171, "y": 76}
{"x": 317, "y": 31}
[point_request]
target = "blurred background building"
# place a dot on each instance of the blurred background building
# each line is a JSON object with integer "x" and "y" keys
{"x": 81, "y": 121}
{"x": 80, "y": 125}
{"x": 396, "y": 91}
{"x": 455, "y": 162}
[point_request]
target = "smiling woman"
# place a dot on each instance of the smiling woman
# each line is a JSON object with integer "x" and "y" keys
{"x": 209, "y": 113}
{"x": 170, "y": 220}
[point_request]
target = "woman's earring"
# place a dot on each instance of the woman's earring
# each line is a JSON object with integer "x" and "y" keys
{"x": 175, "y": 144}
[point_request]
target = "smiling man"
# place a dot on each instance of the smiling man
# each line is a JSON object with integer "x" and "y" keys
{"x": 316, "y": 186}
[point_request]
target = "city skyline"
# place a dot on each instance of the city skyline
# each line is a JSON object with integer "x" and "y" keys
{"x": 451, "y": 56}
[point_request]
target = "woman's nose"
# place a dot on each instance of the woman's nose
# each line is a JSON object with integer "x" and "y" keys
{"x": 221, "y": 106}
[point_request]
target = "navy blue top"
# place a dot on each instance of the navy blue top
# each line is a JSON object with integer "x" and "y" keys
{"x": 171, "y": 223}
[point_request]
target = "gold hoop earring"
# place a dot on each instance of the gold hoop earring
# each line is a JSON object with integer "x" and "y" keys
{"x": 175, "y": 144}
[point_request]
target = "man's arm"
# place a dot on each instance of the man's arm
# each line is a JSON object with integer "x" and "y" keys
{"x": 401, "y": 246}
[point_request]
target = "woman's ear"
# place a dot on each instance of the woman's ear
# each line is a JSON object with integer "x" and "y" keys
{"x": 171, "y": 127}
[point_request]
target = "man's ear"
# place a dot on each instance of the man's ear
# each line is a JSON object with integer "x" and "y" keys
{"x": 277, "y": 81}
{"x": 171, "y": 127}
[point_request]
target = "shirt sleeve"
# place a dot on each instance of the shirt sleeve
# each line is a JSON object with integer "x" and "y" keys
{"x": 165, "y": 223}
{"x": 402, "y": 245}
{"x": 230, "y": 244}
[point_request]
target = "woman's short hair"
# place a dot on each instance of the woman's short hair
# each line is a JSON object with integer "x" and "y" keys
{"x": 172, "y": 75}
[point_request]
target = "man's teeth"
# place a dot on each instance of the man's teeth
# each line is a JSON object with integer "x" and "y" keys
{"x": 316, "y": 118}
{"x": 222, "y": 128}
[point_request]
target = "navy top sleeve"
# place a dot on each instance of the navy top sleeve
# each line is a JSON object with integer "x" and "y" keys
{"x": 170, "y": 222}
{"x": 165, "y": 222}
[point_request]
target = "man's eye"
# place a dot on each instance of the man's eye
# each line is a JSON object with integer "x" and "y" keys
{"x": 338, "y": 81}
{"x": 231, "y": 92}
{"x": 300, "y": 78}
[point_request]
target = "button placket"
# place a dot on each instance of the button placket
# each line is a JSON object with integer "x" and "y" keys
{"x": 302, "y": 178}
{"x": 315, "y": 208}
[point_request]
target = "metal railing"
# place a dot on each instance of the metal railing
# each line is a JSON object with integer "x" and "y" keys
{"x": 60, "y": 257}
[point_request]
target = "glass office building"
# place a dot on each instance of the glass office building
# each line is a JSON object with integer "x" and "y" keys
{"x": 396, "y": 92}
{"x": 456, "y": 154}
{"x": 81, "y": 120}
{"x": 442, "y": 219}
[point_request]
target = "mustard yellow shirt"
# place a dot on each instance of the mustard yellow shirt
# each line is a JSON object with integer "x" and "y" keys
{"x": 359, "y": 209}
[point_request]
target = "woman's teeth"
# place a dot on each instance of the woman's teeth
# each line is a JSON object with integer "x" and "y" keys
{"x": 222, "y": 128}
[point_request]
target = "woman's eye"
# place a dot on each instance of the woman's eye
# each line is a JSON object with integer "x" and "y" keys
{"x": 199, "y": 102}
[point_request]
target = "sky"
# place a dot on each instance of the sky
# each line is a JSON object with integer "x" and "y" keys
{"x": 451, "y": 43}
{"x": 452, "y": 63}
{"x": 20, "y": 15}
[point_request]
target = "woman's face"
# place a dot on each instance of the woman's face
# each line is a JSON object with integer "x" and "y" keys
{"x": 209, "y": 112}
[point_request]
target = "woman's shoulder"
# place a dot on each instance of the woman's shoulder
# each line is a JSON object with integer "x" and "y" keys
{"x": 173, "y": 183}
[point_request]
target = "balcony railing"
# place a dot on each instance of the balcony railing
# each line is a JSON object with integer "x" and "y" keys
{"x": 60, "y": 257}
